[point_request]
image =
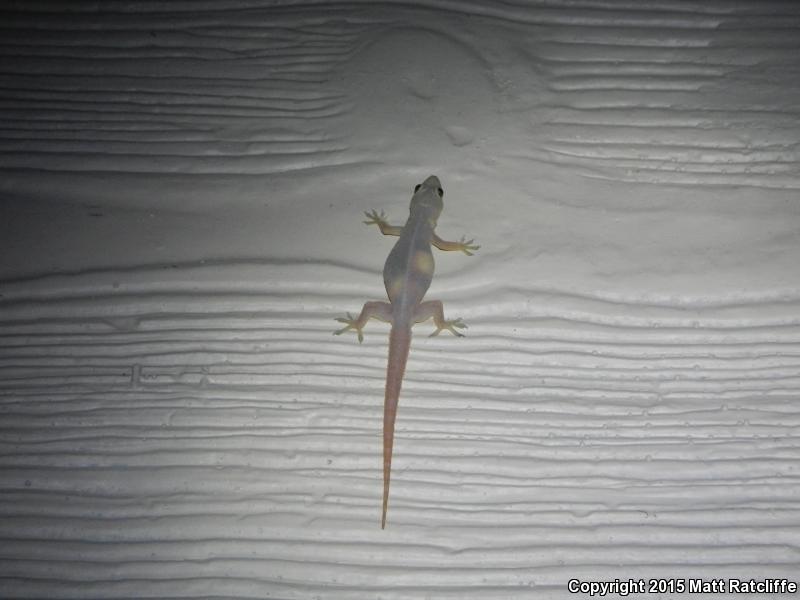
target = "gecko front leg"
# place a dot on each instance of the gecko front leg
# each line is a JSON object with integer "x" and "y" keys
{"x": 434, "y": 309}
{"x": 373, "y": 218}
{"x": 377, "y": 310}
{"x": 464, "y": 245}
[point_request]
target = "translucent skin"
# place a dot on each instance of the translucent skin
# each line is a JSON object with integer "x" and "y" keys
{"x": 407, "y": 275}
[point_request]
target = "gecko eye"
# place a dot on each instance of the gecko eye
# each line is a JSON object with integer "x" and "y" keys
{"x": 440, "y": 191}
{"x": 416, "y": 187}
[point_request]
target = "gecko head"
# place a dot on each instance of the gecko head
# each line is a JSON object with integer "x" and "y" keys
{"x": 428, "y": 196}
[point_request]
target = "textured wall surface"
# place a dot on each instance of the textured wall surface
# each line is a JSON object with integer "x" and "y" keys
{"x": 181, "y": 194}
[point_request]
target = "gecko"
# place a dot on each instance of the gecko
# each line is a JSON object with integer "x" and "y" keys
{"x": 407, "y": 275}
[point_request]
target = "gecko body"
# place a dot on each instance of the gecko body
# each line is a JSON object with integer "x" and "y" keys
{"x": 407, "y": 275}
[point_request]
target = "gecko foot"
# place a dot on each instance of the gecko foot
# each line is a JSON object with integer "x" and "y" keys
{"x": 450, "y": 326}
{"x": 352, "y": 323}
{"x": 374, "y": 218}
{"x": 467, "y": 247}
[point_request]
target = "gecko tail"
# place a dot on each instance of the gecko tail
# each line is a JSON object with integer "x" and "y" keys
{"x": 399, "y": 343}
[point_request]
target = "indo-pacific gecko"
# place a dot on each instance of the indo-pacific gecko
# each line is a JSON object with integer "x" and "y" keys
{"x": 407, "y": 275}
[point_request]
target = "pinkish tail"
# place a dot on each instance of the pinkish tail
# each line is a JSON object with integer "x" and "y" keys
{"x": 399, "y": 343}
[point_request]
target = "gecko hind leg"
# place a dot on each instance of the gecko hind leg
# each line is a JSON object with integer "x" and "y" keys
{"x": 376, "y": 310}
{"x": 434, "y": 309}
